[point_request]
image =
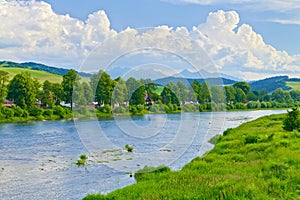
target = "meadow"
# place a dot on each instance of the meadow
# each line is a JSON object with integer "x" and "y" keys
{"x": 257, "y": 160}
{"x": 293, "y": 85}
{"x": 36, "y": 74}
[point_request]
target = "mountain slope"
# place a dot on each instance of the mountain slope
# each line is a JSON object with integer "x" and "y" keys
{"x": 40, "y": 67}
{"x": 270, "y": 84}
{"x": 188, "y": 81}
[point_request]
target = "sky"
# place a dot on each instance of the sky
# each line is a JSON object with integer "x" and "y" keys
{"x": 249, "y": 39}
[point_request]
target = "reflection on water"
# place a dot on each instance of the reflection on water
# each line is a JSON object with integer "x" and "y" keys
{"x": 37, "y": 158}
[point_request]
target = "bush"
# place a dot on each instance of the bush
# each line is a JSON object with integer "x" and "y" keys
{"x": 60, "y": 111}
{"x": 48, "y": 113}
{"x": 190, "y": 108}
{"x": 35, "y": 112}
{"x": 227, "y": 131}
{"x": 292, "y": 121}
{"x": 128, "y": 148}
{"x": 105, "y": 109}
{"x": 120, "y": 109}
{"x": 253, "y": 104}
{"x": 156, "y": 108}
{"x": 251, "y": 139}
{"x": 7, "y": 113}
{"x": 18, "y": 111}
{"x": 240, "y": 106}
{"x": 82, "y": 160}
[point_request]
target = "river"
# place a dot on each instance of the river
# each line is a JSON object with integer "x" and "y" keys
{"x": 37, "y": 157}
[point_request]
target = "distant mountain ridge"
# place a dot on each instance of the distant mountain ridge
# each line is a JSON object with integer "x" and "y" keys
{"x": 186, "y": 76}
{"x": 202, "y": 74}
{"x": 41, "y": 67}
{"x": 188, "y": 81}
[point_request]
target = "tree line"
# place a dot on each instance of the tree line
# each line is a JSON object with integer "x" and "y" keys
{"x": 31, "y": 98}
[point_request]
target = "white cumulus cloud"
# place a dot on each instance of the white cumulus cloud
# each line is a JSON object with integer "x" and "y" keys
{"x": 32, "y": 31}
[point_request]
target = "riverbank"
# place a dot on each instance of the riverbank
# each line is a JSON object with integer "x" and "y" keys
{"x": 17, "y": 114}
{"x": 257, "y": 160}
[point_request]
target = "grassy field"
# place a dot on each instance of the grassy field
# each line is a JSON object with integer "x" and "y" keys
{"x": 257, "y": 160}
{"x": 294, "y": 85}
{"x": 39, "y": 75}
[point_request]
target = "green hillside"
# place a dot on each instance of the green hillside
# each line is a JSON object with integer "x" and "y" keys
{"x": 39, "y": 75}
{"x": 293, "y": 85}
{"x": 258, "y": 160}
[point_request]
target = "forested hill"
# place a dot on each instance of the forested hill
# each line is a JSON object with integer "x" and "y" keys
{"x": 188, "y": 81}
{"x": 40, "y": 67}
{"x": 271, "y": 84}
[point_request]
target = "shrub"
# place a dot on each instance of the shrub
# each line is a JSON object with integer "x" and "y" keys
{"x": 251, "y": 139}
{"x": 120, "y": 109}
{"x": 48, "y": 113}
{"x": 157, "y": 108}
{"x": 240, "y": 106}
{"x": 227, "y": 131}
{"x": 292, "y": 121}
{"x": 128, "y": 148}
{"x": 191, "y": 108}
{"x": 59, "y": 111}
{"x": 105, "y": 109}
{"x": 82, "y": 160}
{"x": 7, "y": 113}
{"x": 35, "y": 112}
{"x": 18, "y": 111}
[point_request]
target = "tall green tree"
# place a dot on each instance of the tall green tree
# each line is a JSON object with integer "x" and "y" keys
{"x": 52, "y": 94}
{"x": 104, "y": 88}
{"x": 174, "y": 89}
{"x": 47, "y": 97}
{"x": 197, "y": 90}
{"x": 68, "y": 85}
{"x": 263, "y": 95}
{"x": 206, "y": 95}
{"x": 295, "y": 94}
{"x": 119, "y": 95}
{"x": 244, "y": 86}
{"x": 217, "y": 94}
{"x": 251, "y": 96}
{"x": 183, "y": 92}
{"x": 230, "y": 93}
{"x": 22, "y": 90}
{"x": 132, "y": 84}
{"x": 240, "y": 96}
{"x": 3, "y": 85}
{"x": 169, "y": 97}
{"x": 78, "y": 94}
{"x": 281, "y": 96}
{"x": 138, "y": 96}
{"x": 88, "y": 92}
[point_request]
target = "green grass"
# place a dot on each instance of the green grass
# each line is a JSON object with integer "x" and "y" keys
{"x": 257, "y": 160}
{"x": 159, "y": 90}
{"x": 39, "y": 75}
{"x": 293, "y": 85}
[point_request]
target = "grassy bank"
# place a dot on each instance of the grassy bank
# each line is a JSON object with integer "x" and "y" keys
{"x": 257, "y": 160}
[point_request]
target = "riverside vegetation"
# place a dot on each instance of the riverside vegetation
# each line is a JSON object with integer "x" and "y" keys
{"x": 257, "y": 160}
{"x": 32, "y": 100}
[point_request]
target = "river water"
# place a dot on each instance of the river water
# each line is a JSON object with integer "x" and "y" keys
{"x": 37, "y": 158}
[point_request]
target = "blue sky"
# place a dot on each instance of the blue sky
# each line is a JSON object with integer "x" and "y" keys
{"x": 246, "y": 38}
